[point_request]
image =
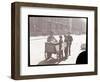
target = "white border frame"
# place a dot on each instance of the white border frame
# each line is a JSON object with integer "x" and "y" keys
{"x": 25, "y": 70}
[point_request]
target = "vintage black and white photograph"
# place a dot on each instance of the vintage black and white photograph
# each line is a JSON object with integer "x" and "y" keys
{"x": 57, "y": 40}
{"x": 53, "y": 40}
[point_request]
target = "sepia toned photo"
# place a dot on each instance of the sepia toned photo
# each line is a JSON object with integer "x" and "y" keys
{"x": 57, "y": 40}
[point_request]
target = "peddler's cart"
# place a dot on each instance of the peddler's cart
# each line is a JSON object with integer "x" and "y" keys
{"x": 51, "y": 48}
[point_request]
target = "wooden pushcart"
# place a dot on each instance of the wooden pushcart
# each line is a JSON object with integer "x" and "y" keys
{"x": 50, "y": 48}
{"x": 53, "y": 49}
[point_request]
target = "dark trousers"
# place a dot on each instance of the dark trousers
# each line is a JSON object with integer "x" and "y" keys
{"x": 60, "y": 55}
{"x": 66, "y": 52}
